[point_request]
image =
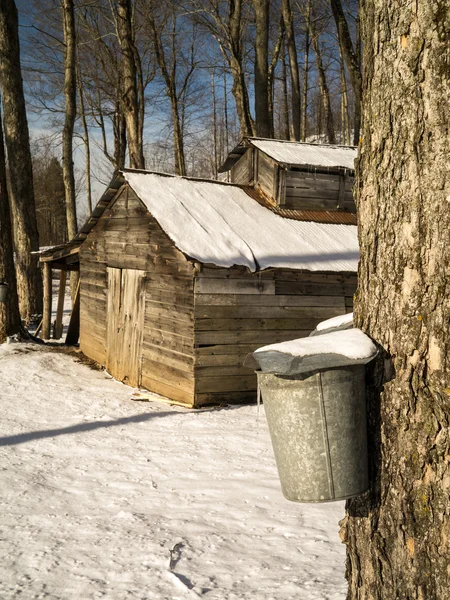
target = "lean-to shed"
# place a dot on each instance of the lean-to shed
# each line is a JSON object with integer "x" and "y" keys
{"x": 182, "y": 278}
{"x": 296, "y": 175}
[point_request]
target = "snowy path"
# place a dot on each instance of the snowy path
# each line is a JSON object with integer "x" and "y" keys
{"x": 103, "y": 497}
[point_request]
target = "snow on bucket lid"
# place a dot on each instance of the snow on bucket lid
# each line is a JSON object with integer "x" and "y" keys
{"x": 336, "y": 349}
{"x": 334, "y": 324}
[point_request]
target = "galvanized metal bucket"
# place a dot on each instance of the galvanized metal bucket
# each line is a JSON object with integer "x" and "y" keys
{"x": 317, "y": 423}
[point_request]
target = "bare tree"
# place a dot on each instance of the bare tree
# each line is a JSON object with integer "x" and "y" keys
{"x": 130, "y": 103}
{"x": 323, "y": 84}
{"x": 26, "y": 240}
{"x": 262, "y": 88}
{"x": 226, "y": 22}
{"x": 70, "y": 114}
{"x": 351, "y": 60}
{"x": 10, "y": 322}
{"x": 293, "y": 66}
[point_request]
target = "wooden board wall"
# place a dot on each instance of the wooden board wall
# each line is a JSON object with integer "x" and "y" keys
{"x": 318, "y": 191}
{"x": 242, "y": 170}
{"x": 127, "y": 237}
{"x": 237, "y": 312}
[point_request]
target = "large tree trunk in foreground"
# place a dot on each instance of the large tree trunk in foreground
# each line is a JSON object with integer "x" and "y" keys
{"x": 10, "y": 322}
{"x": 398, "y": 534}
{"x": 26, "y": 237}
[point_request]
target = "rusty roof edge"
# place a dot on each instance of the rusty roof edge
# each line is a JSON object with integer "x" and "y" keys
{"x": 314, "y": 216}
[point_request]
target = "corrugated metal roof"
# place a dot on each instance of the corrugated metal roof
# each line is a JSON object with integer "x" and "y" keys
{"x": 221, "y": 224}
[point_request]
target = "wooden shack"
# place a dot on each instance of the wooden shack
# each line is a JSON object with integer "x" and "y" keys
{"x": 296, "y": 175}
{"x": 182, "y": 278}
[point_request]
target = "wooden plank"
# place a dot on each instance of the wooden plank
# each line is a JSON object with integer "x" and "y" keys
{"x": 225, "y": 350}
{"x": 171, "y": 341}
{"x": 93, "y": 353}
{"x": 178, "y": 326}
{"x": 126, "y": 302}
{"x": 233, "y": 359}
{"x": 156, "y": 310}
{"x": 183, "y": 362}
{"x": 238, "y": 383}
{"x": 229, "y": 300}
{"x": 314, "y": 289}
{"x": 237, "y": 325}
{"x": 47, "y": 316}
{"x": 234, "y": 273}
{"x": 315, "y": 277}
{"x": 249, "y": 337}
{"x": 175, "y": 377}
{"x": 225, "y": 398}
{"x": 237, "y": 370}
{"x": 60, "y": 305}
{"x": 233, "y": 286}
{"x": 268, "y": 312}
{"x": 168, "y": 391}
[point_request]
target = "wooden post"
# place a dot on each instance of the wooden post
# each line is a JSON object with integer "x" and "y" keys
{"x": 60, "y": 307}
{"x": 47, "y": 317}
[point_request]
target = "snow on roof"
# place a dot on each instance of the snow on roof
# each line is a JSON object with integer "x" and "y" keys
{"x": 298, "y": 153}
{"x": 220, "y": 224}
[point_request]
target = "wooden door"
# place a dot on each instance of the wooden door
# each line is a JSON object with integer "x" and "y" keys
{"x": 125, "y": 324}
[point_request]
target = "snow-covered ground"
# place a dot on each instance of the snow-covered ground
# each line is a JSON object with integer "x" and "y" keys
{"x": 105, "y": 497}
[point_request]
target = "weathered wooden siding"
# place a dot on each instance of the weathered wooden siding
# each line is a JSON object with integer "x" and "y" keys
{"x": 314, "y": 191}
{"x": 242, "y": 170}
{"x": 127, "y": 237}
{"x": 265, "y": 176}
{"x": 237, "y": 312}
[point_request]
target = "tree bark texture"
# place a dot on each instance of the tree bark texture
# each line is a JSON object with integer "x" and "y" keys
{"x": 130, "y": 104}
{"x": 398, "y": 534}
{"x": 70, "y": 97}
{"x": 351, "y": 60}
{"x": 10, "y": 322}
{"x": 293, "y": 65}
{"x": 262, "y": 118}
{"x": 26, "y": 239}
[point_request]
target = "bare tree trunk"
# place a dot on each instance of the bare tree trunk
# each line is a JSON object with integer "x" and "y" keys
{"x": 129, "y": 100}
{"x": 293, "y": 65}
{"x": 285, "y": 98}
{"x": 397, "y": 534}
{"x": 86, "y": 141}
{"x": 305, "y": 90}
{"x": 239, "y": 88}
{"x": 70, "y": 96}
{"x": 351, "y": 60}
{"x": 215, "y": 146}
{"x": 323, "y": 85}
{"x": 279, "y": 44}
{"x": 10, "y": 322}
{"x": 345, "y": 122}
{"x": 225, "y": 111}
{"x": 262, "y": 118}
{"x": 26, "y": 239}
